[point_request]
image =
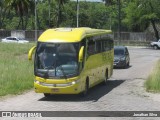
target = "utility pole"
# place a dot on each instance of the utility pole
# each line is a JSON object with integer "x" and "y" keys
{"x": 49, "y": 13}
{"x": 35, "y": 12}
{"x": 119, "y": 22}
{"x": 77, "y": 13}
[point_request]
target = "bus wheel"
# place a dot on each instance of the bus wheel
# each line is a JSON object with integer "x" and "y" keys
{"x": 47, "y": 95}
{"x": 106, "y": 78}
{"x": 85, "y": 92}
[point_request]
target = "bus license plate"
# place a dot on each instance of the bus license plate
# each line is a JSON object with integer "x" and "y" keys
{"x": 55, "y": 90}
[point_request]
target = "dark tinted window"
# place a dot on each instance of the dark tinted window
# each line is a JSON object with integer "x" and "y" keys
{"x": 107, "y": 42}
{"x": 56, "y": 59}
{"x": 99, "y": 44}
{"x": 118, "y": 51}
{"x": 9, "y": 38}
{"x": 14, "y": 39}
{"x": 91, "y": 47}
{"x": 111, "y": 44}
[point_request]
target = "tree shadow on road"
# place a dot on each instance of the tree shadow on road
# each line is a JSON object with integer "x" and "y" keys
{"x": 94, "y": 93}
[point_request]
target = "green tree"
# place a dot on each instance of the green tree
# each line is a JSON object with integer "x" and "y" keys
{"x": 150, "y": 13}
{"x": 22, "y": 8}
{"x": 91, "y": 14}
{"x": 60, "y": 7}
{"x": 108, "y": 2}
{"x": 140, "y": 13}
{"x": 69, "y": 17}
{"x": 94, "y": 15}
{"x": 2, "y": 13}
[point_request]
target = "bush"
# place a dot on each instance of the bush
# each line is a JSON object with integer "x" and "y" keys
{"x": 153, "y": 81}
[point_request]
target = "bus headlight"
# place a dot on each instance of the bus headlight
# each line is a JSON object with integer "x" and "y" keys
{"x": 36, "y": 81}
{"x": 75, "y": 82}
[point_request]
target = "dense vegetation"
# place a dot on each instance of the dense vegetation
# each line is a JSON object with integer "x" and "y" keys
{"x": 135, "y": 15}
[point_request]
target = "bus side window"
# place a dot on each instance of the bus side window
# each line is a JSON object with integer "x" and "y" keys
{"x": 104, "y": 46}
{"x": 110, "y": 44}
{"x": 105, "y": 43}
{"x": 98, "y": 46}
{"x": 91, "y": 47}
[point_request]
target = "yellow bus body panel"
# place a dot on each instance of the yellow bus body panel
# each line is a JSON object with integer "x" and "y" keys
{"x": 69, "y": 34}
{"x": 43, "y": 87}
{"x": 73, "y": 89}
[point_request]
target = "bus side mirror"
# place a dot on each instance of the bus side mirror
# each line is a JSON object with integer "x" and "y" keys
{"x": 81, "y": 54}
{"x": 31, "y": 52}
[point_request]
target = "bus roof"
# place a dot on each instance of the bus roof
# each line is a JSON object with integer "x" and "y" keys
{"x": 70, "y": 34}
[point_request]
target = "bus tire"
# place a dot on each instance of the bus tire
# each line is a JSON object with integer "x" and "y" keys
{"x": 106, "y": 77}
{"x": 85, "y": 92}
{"x": 47, "y": 95}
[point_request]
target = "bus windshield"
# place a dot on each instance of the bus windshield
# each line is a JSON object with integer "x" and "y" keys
{"x": 56, "y": 60}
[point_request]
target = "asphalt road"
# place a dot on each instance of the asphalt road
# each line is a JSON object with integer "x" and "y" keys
{"x": 124, "y": 92}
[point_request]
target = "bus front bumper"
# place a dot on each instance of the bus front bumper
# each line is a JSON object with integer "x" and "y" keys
{"x": 57, "y": 88}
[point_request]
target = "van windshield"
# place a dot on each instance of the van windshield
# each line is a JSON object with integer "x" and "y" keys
{"x": 56, "y": 60}
{"x": 118, "y": 51}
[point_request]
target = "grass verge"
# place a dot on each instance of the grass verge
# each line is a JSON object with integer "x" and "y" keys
{"x": 153, "y": 81}
{"x": 16, "y": 72}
